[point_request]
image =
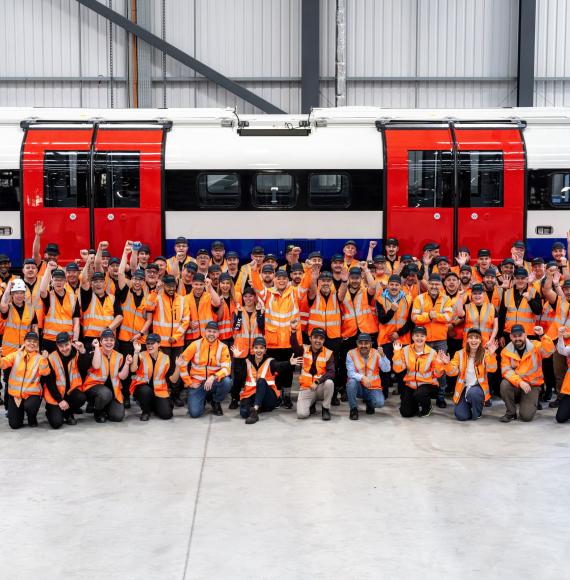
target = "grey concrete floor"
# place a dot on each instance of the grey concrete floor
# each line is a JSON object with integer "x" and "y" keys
{"x": 383, "y": 497}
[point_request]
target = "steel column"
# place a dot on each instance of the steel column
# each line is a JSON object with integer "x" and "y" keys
{"x": 310, "y": 69}
{"x": 526, "y": 52}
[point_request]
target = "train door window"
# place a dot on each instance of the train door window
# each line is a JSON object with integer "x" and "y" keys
{"x": 329, "y": 190}
{"x": 9, "y": 190}
{"x": 274, "y": 190}
{"x": 117, "y": 179}
{"x": 430, "y": 179}
{"x": 560, "y": 189}
{"x": 219, "y": 190}
{"x": 66, "y": 174}
{"x": 481, "y": 179}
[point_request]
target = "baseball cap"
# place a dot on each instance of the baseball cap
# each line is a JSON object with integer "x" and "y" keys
{"x": 32, "y": 336}
{"x": 107, "y": 333}
{"x": 180, "y": 240}
{"x": 477, "y": 288}
{"x": 62, "y": 337}
{"x": 259, "y": 341}
{"x": 521, "y": 273}
{"x": 152, "y": 337}
{"x": 363, "y": 336}
{"x": 419, "y": 330}
{"x": 517, "y": 329}
{"x": 211, "y": 325}
{"x": 318, "y": 332}
{"x": 97, "y": 276}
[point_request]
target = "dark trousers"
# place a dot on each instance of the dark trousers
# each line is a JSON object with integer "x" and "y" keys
{"x": 239, "y": 375}
{"x": 103, "y": 401}
{"x": 549, "y": 378}
{"x": 264, "y": 397}
{"x": 172, "y": 352}
{"x": 386, "y": 378}
{"x": 29, "y": 407}
{"x": 341, "y": 373}
{"x": 55, "y": 416}
{"x": 563, "y": 412}
{"x": 453, "y": 345}
{"x": 416, "y": 401}
{"x": 283, "y": 380}
{"x": 335, "y": 344}
{"x": 126, "y": 347}
{"x": 149, "y": 402}
{"x": 470, "y": 404}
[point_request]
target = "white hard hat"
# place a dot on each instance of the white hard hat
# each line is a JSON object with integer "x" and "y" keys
{"x": 18, "y": 286}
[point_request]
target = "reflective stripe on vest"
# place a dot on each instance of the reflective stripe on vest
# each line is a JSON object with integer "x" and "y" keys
{"x": 254, "y": 375}
{"x": 307, "y": 379}
{"x": 145, "y": 372}
{"x": 14, "y": 332}
{"x": 248, "y": 332}
{"x": 522, "y": 315}
{"x": 24, "y": 379}
{"x": 98, "y": 316}
{"x": 59, "y": 371}
{"x": 59, "y": 317}
{"x": 370, "y": 368}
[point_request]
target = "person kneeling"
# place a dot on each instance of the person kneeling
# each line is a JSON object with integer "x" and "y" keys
{"x": 149, "y": 386}
{"x": 260, "y": 394}
{"x": 103, "y": 383}
{"x": 423, "y": 367}
{"x": 471, "y": 364}
{"x": 563, "y": 412}
{"x": 24, "y": 388}
{"x": 364, "y": 365}
{"x": 63, "y": 390}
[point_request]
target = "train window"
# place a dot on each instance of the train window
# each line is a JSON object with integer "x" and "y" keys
{"x": 481, "y": 179}
{"x": 9, "y": 190}
{"x": 430, "y": 178}
{"x": 329, "y": 190}
{"x": 66, "y": 175}
{"x": 273, "y": 190}
{"x": 219, "y": 190}
{"x": 560, "y": 189}
{"x": 117, "y": 179}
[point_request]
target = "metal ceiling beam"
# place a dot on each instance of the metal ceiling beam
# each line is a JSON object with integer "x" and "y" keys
{"x": 526, "y": 52}
{"x": 310, "y": 54}
{"x": 180, "y": 56}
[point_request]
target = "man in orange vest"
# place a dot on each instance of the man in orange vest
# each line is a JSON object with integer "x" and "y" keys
{"x": 103, "y": 383}
{"x": 203, "y": 261}
{"x": 521, "y": 366}
{"x": 181, "y": 257}
{"x": 349, "y": 253}
{"x": 201, "y": 305}
{"x": 205, "y": 368}
{"x": 232, "y": 262}
{"x": 218, "y": 251}
{"x": 391, "y": 247}
{"x": 364, "y": 365}
{"x": 63, "y": 390}
{"x": 187, "y": 278}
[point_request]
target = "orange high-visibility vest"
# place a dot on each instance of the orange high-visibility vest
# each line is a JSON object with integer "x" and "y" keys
{"x": 357, "y": 314}
{"x": 34, "y": 298}
{"x": 110, "y": 285}
{"x": 169, "y": 317}
{"x": 134, "y": 318}
{"x": 247, "y": 333}
{"x": 145, "y": 372}
{"x": 253, "y": 375}
{"x": 307, "y": 379}
{"x": 75, "y": 381}
{"x": 436, "y": 328}
{"x": 396, "y": 322}
{"x": 496, "y": 297}
{"x": 202, "y": 313}
{"x": 59, "y": 317}
{"x": 171, "y": 262}
{"x": 15, "y": 328}
{"x": 110, "y": 367}
{"x": 483, "y": 319}
{"x": 98, "y": 316}
{"x": 206, "y": 359}
{"x": 27, "y": 368}
{"x": 421, "y": 369}
{"x": 304, "y": 311}
{"x": 370, "y": 368}
{"x": 528, "y": 367}
{"x": 225, "y": 321}
{"x": 457, "y": 367}
{"x": 522, "y": 315}
{"x": 325, "y": 314}
{"x": 412, "y": 291}
{"x": 565, "y": 388}
{"x": 562, "y": 311}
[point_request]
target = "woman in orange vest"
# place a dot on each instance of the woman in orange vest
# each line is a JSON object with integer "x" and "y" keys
{"x": 260, "y": 393}
{"x": 227, "y": 307}
{"x": 103, "y": 382}
{"x": 471, "y": 365}
{"x": 24, "y": 389}
{"x": 18, "y": 315}
{"x": 149, "y": 385}
{"x": 63, "y": 390}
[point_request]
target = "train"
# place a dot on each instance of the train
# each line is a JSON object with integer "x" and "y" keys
{"x": 476, "y": 178}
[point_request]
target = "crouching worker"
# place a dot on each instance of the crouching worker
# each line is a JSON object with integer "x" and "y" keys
{"x": 260, "y": 394}
{"x": 149, "y": 385}
{"x": 364, "y": 365}
{"x": 24, "y": 389}
{"x": 205, "y": 367}
{"x": 521, "y": 367}
{"x": 423, "y": 366}
{"x": 103, "y": 383}
{"x": 471, "y": 365}
{"x": 63, "y": 390}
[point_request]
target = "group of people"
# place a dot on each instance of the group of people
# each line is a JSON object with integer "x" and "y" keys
{"x": 192, "y": 331}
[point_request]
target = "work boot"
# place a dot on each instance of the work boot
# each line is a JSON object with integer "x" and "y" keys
{"x": 353, "y": 414}
{"x": 90, "y": 407}
{"x": 287, "y": 402}
{"x": 71, "y": 420}
{"x": 32, "y": 421}
{"x": 253, "y": 417}
{"x": 343, "y": 396}
{"x": 217, "y": 409}
{"x": 313, "y": 409}
{"x": 127, "y": 401}
{"x": 178, "y": 402}
{"x": 334, "y": 401}
{"x": 326, "y": 414}
{"x": 554, "y": 404}
{"x": 370, "y": 410}
{"x": 233, "y": 404}
{"x": 144, "y": 417}
{"x": 100, "y": 416}
{"x": 507, "y": 418}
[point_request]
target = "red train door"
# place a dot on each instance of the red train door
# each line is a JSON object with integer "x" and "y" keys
{"x": 127, "y": 167}
{"x": 419, "y": 179}
{"x": 55, "y": 171}
{"x": 490, "y": 166}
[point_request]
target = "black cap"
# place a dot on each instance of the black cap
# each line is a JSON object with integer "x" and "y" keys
{"x": 483, "y": 253}
{"x": 451, "y": 274}
{"x": 289, "y": 248}
{"x": 152, "y": 337}
{"x": 537, "y": 261}
{"x": 232, "y": 254}
{"x": 153, "y": 267}
{"x": 355, "y": 271}
{"x": 508, "y": 261}
{"x": 161, "y": 259}
{"x": 477, "y": 288}
{"x": 281, "y": 273}
{"x": 419, "y": 330}
{"x": 464, "y": 250}
{"x": 62, "y": 337}
{"x": 215, "y": 268}
{"x": 217, "y": 244}
{"x": 269, "y": 257}
{"x": 566, "y": 283}
{"x": 517, "y": 329}
{"x": 169, "y": 280}
{"x": 4, "y": 258}
{"x": 379, "y": 259}
{"x": 395, "y": 278}
{"x": 30, "y": 261}
{"x": 267, "y": 269}
{"x": 519, "y": 244}
{"x": 52, "y": 249}
{"x": 465, "y": 268}
{"x": 490, "y": 272}
{"x": 225, "y": 277}
{"x": 552, "y": 264}
{"x": 191, "y": 266}
{"x": 114, "y": 261}
{"x": 315, "y": 254}
{"x": 363, "y": 336}
{"x": 337, "y": 258}
{"x": 349, "y": 242}
{"x": 325, "y": 276}
{"x": 97, "y": 276}
{"x": 410, "y": 269}
{"x": 318, "y": 332}
{"x": 521, "y": 273}
{"x": 72, "y": 266}
{"x": 431, "y": 246}
{"x": 297, "y": 267}
{"x": 32, "y": 336}
{"x": 259, "y": 341}
{"x": 106, "y": 254}
{"x": 144, "y": 248}
{"x": 211, "y": 325}
{"x": 474, "y": 331}
{"x": 406, "y": 258}
{"x": 558, "y": 246}
{"x": 180, "y": 240}
{"x": 107, "y": 333}
{"x": 257, "y": 250}
{"x": 198, "y": 277}
{"x": 138, "y": 273}
{"x": 442, "y": 259}
{"x": 61, "y": 274}
{"x": 248, "y": 290}
{"x": 202, "y": 252}
{"x": 392, "y": 242}
{"x": 434, "y": 278}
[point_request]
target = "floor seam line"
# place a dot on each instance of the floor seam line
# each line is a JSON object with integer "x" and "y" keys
{"x": 191, "y": 535}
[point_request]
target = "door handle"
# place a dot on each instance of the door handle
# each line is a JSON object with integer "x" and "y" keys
{"x": 110, "y": 217}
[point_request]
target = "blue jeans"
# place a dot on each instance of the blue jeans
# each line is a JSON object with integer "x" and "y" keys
{"x": 372, "y": 397}
{"x": 470, "y": 405}
{"x": 197, "y": 396}
{"x": 438, "y": 345}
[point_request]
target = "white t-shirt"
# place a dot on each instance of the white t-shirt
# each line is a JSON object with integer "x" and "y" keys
{"x": 470, "y": 375}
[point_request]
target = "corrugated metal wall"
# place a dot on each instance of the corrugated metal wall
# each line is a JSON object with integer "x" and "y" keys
{"x": 401, "y": 53}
